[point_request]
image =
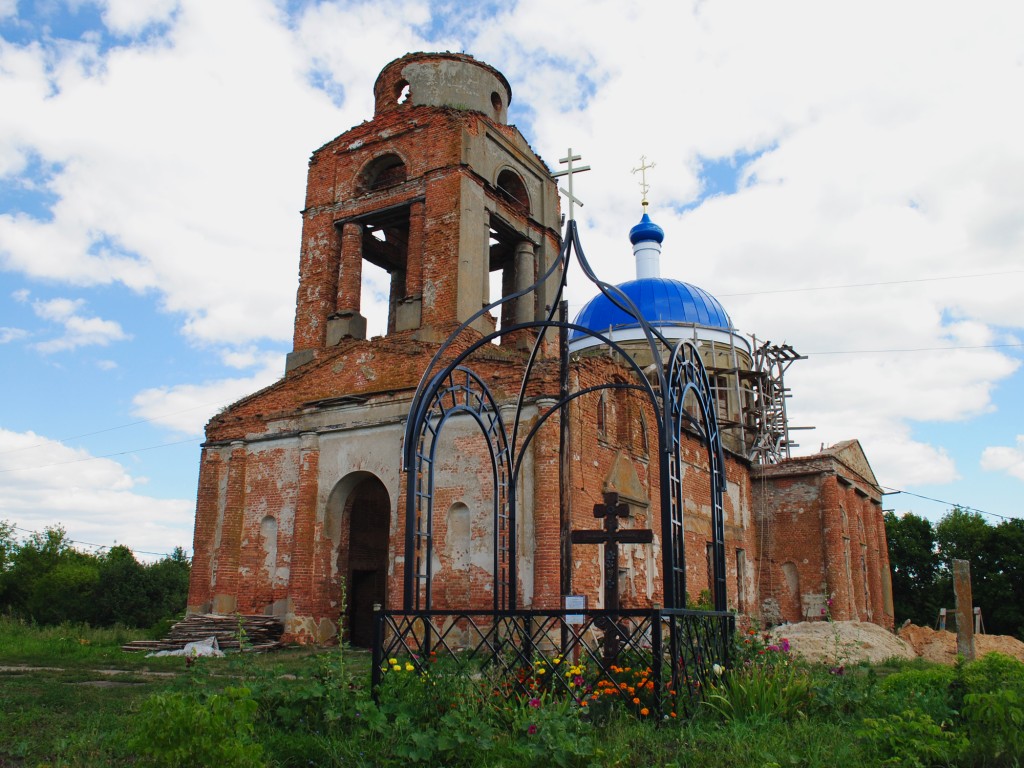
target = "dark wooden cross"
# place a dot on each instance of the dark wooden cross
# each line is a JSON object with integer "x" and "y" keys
{"x": 610, "y": 536}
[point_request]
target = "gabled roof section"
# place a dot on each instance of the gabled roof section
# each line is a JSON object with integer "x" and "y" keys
{"x": 850, "y": 453}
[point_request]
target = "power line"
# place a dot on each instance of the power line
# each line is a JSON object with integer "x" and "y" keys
{"x": 104, "y": 456}
{"x": 966, "y": 508}
{"x": 111, "y": 429}
{"x": 914, "y": 349}
{"x": 875, "y": 284}
{"x": 101, "y": 546}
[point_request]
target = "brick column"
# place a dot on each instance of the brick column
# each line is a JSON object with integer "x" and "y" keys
{"x": 318, "y": 282}
{"x": 350, "y": 276}
{"x": 225, "y": 597}
{"x": 300, "y": 586}
{"x": 833, "y": 565}
{"x": 414, "y": 257}
{"x": 887, "y": 616}
{"x": 546, "y": 513}
{"x": 871, "y": 513}
{"x": 208, "y": 505}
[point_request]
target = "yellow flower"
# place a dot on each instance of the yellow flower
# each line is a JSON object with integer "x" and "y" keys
{"x": 392, "y": 661}
{"x": 556, "y": 661}
{"x": 397, "y": 667}
{"x": 541, "y": 671}
{"x": 409, "y": 667}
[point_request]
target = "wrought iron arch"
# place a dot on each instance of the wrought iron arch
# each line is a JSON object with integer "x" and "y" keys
{"x": 457, "y": 391}
{"x": 666, "y": 390}
{"x": 686, "y": 374}
{"x": 681, "y": 645}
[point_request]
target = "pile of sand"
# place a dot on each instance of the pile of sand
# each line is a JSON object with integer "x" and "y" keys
{"x": 843, "y": 642}
{"x": 940, "y": 645}
{"x": 849, "y": 642}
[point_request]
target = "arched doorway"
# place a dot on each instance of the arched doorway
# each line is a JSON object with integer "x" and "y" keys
{"x": 363, "y": 555}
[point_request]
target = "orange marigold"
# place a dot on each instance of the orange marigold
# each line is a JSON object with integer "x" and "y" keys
{"x": 645, "y": 712}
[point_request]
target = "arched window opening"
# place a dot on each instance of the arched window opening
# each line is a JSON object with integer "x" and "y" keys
{"x": 513, "y": 190}
{"x": 384, "y": 171}
{"x": 511, "y": 267}
{"x": 602, "y": 416}
{"x": 402, "y": 91}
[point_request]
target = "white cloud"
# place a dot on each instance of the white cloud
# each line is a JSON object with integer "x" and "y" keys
{"x": 132, "y": 16}
{"x": 185, "y": 408}
{"x": 890, "y": 151}
{"x": 1005, "y": 459}
{"x": 44, "y": 482}
{"x": 79, "y": 331}
{"x": 148, "y": 140}
{"x": 892, "y": 166}
{"x": 7, "y": 335}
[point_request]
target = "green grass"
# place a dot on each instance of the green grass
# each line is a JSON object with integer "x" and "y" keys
{"x": 69, "y": 694}
{"x": 65, "y": 645}
{"x": 62, "y": 705}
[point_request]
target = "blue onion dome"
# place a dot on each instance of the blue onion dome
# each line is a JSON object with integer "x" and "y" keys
{"x": 646, "y": 231}
{"x": 662, "y": 301}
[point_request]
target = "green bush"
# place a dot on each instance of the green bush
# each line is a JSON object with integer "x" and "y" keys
{"x": 198, "y": 729}
{"x": 840, "y": 696}
{"x": 993, "y": 672}
{"x": 995, "y": 725}
{"x": 912, "y": 739}
{"x": 923, "y": 690}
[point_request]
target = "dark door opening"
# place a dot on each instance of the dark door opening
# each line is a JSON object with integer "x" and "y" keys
{"x": 369, "y": 514}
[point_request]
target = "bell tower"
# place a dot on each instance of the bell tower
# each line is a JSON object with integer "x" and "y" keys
{"x": 438, "y": 190}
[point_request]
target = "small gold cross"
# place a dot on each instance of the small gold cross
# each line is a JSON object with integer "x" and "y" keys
{"x": 644, "y": 186}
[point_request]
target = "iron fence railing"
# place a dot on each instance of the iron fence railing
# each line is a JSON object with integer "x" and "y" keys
{"x": 658, "y": 660}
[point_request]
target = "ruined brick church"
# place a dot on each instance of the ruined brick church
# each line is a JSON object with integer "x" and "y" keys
{"x": 302, "y": 490}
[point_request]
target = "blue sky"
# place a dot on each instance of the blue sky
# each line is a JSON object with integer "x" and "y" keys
{"x": 842, "y": 184}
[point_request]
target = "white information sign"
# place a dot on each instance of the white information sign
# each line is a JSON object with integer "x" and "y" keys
{"x": 575, "y": 603}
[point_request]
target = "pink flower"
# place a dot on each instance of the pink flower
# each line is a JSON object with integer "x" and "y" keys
{"x": 531, "y": 730}
{"x": 535, "y": 703}
{"x": 784, "y": 645}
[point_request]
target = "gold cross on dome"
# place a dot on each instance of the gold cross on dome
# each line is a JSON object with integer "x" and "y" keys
{"x": 569, "y": 159}
{"x": 644, "y": 186}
